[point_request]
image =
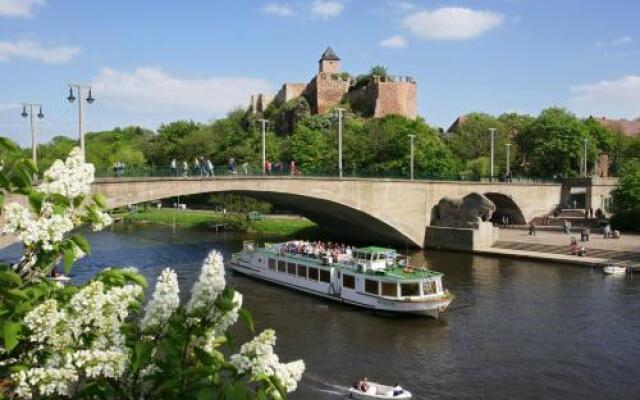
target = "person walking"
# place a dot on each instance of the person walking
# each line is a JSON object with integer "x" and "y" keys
{"x": 196, "y": 166}
{"x": 607, "y": 231}
{"x": 210, "y": 168}
{"x": 532, "y": 229}
{"x": 174, "y": 167}
{"x": 185, "y": 168}
{"x": 245, "y": 168}
{"x": 292, "y": 168}
{"x": 232, "y": 165}
{"x": 267, "y": 167}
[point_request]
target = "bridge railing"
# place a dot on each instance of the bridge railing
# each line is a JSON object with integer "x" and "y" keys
{"x": 240, "y": 171}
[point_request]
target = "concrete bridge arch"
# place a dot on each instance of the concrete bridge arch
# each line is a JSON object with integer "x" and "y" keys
{"x": 389, "y": 211}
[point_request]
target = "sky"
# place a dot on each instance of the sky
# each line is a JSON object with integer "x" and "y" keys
{"x": 151, "y": 62}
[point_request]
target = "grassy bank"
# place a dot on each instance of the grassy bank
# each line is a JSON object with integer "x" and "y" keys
{"x": 208, "y": 219}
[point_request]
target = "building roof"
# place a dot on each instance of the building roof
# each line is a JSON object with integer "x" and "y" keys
{"x": 329, "y": 54}
{"x": 624, "y": 126}
{"x": 456, "y": 124}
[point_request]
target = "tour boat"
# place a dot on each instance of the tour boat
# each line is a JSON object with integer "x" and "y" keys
{"x": 377, "y": 391}
{"x": 613, "y": 268}
{"x": 369, "y": 277}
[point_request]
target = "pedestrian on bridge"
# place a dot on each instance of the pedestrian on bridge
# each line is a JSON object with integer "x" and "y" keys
{"x": 267, "y": 167}
{"x": 174, "y": 167}
{"x": 210, "y": 168}
{"x": 185, "y": 168}
{"x": 532, "y": 229}
{"x": 232, "y": 165}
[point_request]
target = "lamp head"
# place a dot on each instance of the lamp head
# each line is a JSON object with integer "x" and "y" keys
{"x": 71, "y": 97}
{"x": 40, "y": 114}
{"x": 24, "y": 112}
{"x": 90, "y": 98}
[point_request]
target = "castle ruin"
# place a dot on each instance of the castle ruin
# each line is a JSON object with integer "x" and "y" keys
{"x": 380, "y": 96}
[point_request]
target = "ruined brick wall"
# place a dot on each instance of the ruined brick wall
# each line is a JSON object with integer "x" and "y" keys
{"x": 293, "y": 90}
{"x": 396, "y": 98}
{"x": 329, "y": 91}
{"x": 363, "y": 100}
{"x": 329, "y": 66}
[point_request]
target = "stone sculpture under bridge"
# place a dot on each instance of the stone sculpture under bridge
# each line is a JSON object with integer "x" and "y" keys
{"x": 466, "y": 212}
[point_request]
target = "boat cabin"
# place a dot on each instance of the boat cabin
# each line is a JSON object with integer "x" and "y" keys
{"x": 373, "y": 258}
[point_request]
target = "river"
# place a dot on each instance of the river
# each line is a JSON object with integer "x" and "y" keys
{"x": 516, "y": 330}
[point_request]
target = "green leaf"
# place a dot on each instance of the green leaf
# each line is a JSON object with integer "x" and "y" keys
{"x": 10, "y": 278}
{"x": 135, "y": 278}
{"x": 202, "y": 356}
{"x": 11, "y": 331}
{"x": 141, "y": 354}
{"x": 69, "y": 257}
{"x": 35, "y": 200}
{"x": 18, "y": 294}
{"x": 247, "y": 319}
{"x": 82, "y": 243}
{"x": 100, "y": 200}
{"x": 206, "y": 393}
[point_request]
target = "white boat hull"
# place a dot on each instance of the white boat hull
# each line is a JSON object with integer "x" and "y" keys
{"x": 378, "y": 391}
{"x": 431, "y": 308}
{"x": 614, "y": 270}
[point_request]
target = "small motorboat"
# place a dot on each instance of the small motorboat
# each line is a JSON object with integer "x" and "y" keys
{"x": 377, "y": 391}
{"x": 613, "y": 268}
{"x": 60, "y": 278}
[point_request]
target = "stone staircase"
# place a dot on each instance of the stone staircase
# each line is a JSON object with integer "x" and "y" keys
{"x": 619, "y": 255}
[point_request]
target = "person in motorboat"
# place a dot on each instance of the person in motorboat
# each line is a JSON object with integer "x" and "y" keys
{"x": 397, "y": 390}
{"x": 363, "y": 385}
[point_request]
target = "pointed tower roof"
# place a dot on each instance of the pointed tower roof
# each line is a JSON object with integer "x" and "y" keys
{"x": 329, "y": 54}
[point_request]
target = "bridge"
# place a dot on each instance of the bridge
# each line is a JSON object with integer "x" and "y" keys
{"x": 384, "y": 210}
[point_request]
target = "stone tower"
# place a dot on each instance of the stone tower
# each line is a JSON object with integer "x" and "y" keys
{"x": 329, "y": 62}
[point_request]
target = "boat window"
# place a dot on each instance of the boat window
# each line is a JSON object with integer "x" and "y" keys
{"x": 325, "y": 276}
{"x": 302, "y": 271}
{"x": 429, "y": 287}
{"x": 291, "y": 268}
{"x": 282, "y": 264}
{"x": 313, "y": 274}
{"x": 348, "y": 281}
{"x": 272, "y": 263}
{"x": 371, "y": 286}
{"x": 410, "y": 289}
{"x": 281, "y": 267}
{"x": 390, "y": 289}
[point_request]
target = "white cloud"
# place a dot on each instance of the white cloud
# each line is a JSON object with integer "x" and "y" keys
{"x": 9, "y": 106}
{"x": 326, "y": 9}
{"x": 279, "y": 9}
{"x": 619, "y": 41}
{"x": 452, "y": 23}
{"x": 36, "y": 51}
{"x": 155, "y": 91}
{"x": 618, "y": 98}
{"x": 396, "y": 41}
{"x": 19, "y": 8}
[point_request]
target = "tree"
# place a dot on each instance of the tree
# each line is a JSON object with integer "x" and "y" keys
{"x": 554, "y": 142}
{"x": 309, "y": 148}
{"x": 626, "y": 198}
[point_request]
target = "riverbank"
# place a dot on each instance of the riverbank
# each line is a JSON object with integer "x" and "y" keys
{"x": 203, "y": 219}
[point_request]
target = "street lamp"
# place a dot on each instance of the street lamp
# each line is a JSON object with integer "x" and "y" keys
{"x": 40, "y": 115}
{"x": 264, "y": 145}
{"x": 585, "y": 157}
{"x": 411, "y": 138}
{"x": 508, "y": 169}
{"x": 340, "y": 111}
{"x": 90, "y": 99}
{"x": 492, "y": 131}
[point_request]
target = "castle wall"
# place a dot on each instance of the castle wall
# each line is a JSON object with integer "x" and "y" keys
{"x": 396, "y": 98}
{"x": 330, "y": 66}
{"x": 329, "y": 91}
{"x": 363, "y": 99}
{"x": 289, "y": 91}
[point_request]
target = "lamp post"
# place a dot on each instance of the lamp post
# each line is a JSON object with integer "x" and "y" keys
{"x": 80, "y": 87}
{"x": 585, "y": 157}
{"x": 264, "y": 144}
{"x": 340, "y": 111}
{"x": 411, "y": 138}
{"x": 508, "y": 169}
{"x": 40, "y": 115}
{"x": 492, "y": 132}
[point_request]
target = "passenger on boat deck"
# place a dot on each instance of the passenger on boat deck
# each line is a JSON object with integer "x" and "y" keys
{"x": 333, "y": 251}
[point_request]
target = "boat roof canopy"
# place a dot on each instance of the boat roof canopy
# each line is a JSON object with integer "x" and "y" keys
{"x": 375, "y": 250}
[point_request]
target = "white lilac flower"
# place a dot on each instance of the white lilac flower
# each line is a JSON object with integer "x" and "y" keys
{"x": 71, "y": 178}
{"x": 101, "y": 363}
{"x": 104, "y": 220}
{"x": 222, "y": 321}
{"x": 210, "y": 284}
{"x": 258, "y": 358}
{"x": 46, "y": 381}
{"x": 48, "y": 325}
{"x": 31, "y": 229}
{"x": 164, "y": 302}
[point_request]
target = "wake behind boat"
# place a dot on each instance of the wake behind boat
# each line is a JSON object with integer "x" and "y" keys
{"x": 374, "y": 390}
{"x": 369, "y": 277}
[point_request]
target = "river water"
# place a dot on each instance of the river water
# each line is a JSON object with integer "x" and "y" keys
{"x": 516, "y": 330}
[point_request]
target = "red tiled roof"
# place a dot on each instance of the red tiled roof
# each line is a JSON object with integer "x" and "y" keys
{"x": 626, "y": 127}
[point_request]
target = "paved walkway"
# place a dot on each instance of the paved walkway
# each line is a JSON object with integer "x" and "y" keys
{"x": 554, "y": 243}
